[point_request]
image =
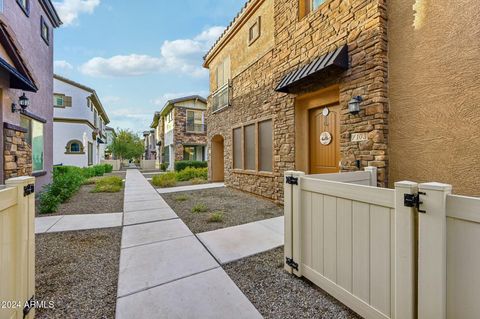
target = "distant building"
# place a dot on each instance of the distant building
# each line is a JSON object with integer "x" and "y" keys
{"x": 26, "y": 70}
{"x": 150, "y": 143}
{"x": 80, "y": 137}
{"x": 111, "y": 135}
{"x": 181, "y": 130}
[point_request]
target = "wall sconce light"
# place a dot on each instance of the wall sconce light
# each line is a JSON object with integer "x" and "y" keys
{"x": 23, "y": 101}
{"x": 354, "y": 105}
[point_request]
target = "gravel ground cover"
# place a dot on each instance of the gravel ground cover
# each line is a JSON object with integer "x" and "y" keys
{"x": 236, "y": 208}
{"x": 78, "y": 271}
{"x": 277, "y": 294}
{"x": 85, "y": 202}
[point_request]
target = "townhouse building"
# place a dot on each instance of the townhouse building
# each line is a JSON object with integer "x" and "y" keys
{"x": 150, "y": 143}
{"x": 80, "y": 137}
{"x": 311, "y": 85}
{"x": 26, "y": 88}
{"x": 180, "y": 130}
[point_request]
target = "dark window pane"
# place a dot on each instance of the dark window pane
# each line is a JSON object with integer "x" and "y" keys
{"x": 237, "y": 148}
{"x": 250, "y": 147}
{"x": 265, "y": 147}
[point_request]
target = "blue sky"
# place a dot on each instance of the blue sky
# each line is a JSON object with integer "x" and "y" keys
{"x": 139, "y": 56}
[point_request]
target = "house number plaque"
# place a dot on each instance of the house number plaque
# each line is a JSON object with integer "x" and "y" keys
{"x": 325, "y": 138}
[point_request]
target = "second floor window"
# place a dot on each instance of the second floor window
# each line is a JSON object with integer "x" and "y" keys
{"x": 307, "y": 6}
{"x": 195, "y": 121}
{"x": 60, "y": 100}
{"x": 254, "y": 31}
{"x": 222, "y": 73}
{"x": 45, "y": 30}
{"x": 25, "y": 5}
{"x": 95, "y": 118}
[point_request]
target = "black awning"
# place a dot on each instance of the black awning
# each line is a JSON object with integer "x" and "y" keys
{"x": 17, "y": 80}
{"x": 336, "y": 60}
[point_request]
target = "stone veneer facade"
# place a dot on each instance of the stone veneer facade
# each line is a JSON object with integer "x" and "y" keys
{"x": 180, "y": 135}
{"x": 358, "y": 23}
{"x": 17, "y": 152}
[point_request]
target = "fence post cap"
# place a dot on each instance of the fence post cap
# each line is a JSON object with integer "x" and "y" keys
{"x": 406, "y": 184}
{"x": 20, "y": 180}
{"x": 434, "y": 186}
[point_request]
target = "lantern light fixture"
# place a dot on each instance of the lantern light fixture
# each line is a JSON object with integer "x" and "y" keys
{"x": 23, "y": 101}
{"x": 354, "y": 105}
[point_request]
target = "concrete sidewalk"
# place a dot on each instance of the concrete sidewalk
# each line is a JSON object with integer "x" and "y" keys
{"x": 64, "y": 223}
{"x": 233, "y": 243}
{"x": 165, "y": 271}
{"x": 189, "y": 188}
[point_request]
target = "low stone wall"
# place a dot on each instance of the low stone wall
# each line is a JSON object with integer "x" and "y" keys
{"x": 148, "y": 164}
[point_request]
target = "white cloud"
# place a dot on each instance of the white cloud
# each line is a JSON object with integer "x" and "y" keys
{"x": 62, "y": 65}
{"x": 69, "y": 10}
{"x": 131, "y": 118}
{"x": 181, "y": 55}
{"x": 121, "y": 65}
{"x": 160, "y": 101}
{"x": 111, "y": 99}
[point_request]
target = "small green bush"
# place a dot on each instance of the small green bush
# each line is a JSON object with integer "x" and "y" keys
{"x": 163, "y": 167}
{"x": 88, "y": 172}
{"x": 99, "y": 170}
{"x": 108, "y": 168}
{"x": 199, "y": 208}
{"x": 190, "y": 173}
{"x": 91, "y": 181}
{"x": 216, "y": 217}
{"x": 198, "y": 181}
{"x": 181, "y": 165}
{"x": 48, "y": 202}
{"x": 165, "y": 180}
{"x": 110, "y": 184}
{"x": 181, "y": 198}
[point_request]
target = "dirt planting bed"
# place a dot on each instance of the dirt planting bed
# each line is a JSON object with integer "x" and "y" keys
{"x": 78, "y": 272}
{"x": 234, "y": 207}
{"x": 277, "y": 294}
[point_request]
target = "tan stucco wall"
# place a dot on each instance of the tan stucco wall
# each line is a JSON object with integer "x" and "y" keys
{"x": 245, "y": 54}
{"x": 434, "y": 90}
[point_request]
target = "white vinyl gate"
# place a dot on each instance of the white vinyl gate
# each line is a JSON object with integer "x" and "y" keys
{"x": 359, "y": 243}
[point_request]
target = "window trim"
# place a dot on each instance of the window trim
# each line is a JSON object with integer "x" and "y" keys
{"x": 43, "y": 23}
{"x": 55, "y": 95}
{"x": 257, "y": 22}
{"x": 29, "y": 133}
{"x": 25, "y": 9}
{"x": 68, "y": 148}
{"x": 203, "y": 121}
{"x": 256, "y": 171}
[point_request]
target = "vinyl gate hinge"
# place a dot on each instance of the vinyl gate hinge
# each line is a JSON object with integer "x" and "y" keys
{"x": 29, "y": 189}
{"x": 291, "y": 263}
{"x": 413, "y": 200}
{"x": 292, "y": 180}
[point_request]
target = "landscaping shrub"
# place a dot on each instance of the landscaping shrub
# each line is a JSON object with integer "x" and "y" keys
{"x": 164, "y": 166}
{"x": 65, "y": 185}
{"x": 99, "y": 170}
{"x": 48, "y": 202}
{"x": 181, "y": 165}
{"x": 216, "y": 217}
{"x": 190, "y": 173}
{"x": 88, "y": 172}
{"x": 199, "y": 208}
{"x": 108, "y": 168}
{"x": 110, "y": 184}
{"x": 198, "y": 181}
{"x": 181, "y": 198}
{"x": 165, "y": 180}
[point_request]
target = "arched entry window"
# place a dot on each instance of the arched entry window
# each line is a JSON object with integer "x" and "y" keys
{"x": 74, "y": 147}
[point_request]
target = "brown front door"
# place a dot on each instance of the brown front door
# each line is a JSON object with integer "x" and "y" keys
{"x": 324, "y": 140}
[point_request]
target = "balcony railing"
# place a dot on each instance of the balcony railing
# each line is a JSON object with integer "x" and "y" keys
{"x": 221, "y": 98}
{"x": 196, "y": 128}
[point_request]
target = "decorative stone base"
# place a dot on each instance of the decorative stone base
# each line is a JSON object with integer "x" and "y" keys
{"x": 17, "y": 153}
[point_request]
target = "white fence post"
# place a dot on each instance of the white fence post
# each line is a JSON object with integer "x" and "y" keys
{"x": 405, "y": 290}
{"x": 432, "y": 251}
{"x": 292, "y": 226}
{"x": 373, "y": 175}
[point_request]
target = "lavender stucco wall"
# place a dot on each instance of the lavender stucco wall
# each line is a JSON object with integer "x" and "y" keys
{"x": 39, "y": 57}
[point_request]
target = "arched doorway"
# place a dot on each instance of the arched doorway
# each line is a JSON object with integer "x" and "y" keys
{"x": 217, "y": 161}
